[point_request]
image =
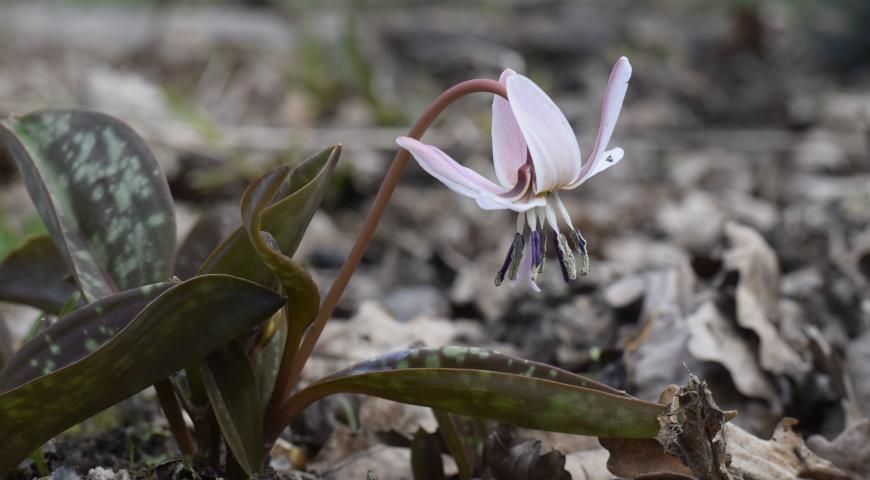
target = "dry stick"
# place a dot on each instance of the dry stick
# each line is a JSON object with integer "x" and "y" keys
{"x": 172, "y": 410}
{"x": 391, "y": 179}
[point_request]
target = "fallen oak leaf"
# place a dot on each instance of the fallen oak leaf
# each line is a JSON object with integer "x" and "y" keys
{"x": 756, "y": 297}
{"x": 694, "y": 430}
{"x": 783, "y": 456}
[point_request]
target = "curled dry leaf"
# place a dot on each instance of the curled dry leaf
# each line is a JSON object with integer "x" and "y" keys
{"x": 757, "y": 295}
{"x": 634, "y": 458}
{"x": 849, "y": 451}
{"x": 702, "y": 445}
{"x": 658, "y": 354}
{"x": 691, "y": 430}
{"x": 716, "y": 338}
{"x": 506, "y": 458}
{"x": 783, "y": 456}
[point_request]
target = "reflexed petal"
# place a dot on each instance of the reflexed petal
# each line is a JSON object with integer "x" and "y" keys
{"x": 493, "y": 202}
{"x": 614, "y": 94}
{"x": 508, "y": 145}
{"x": 469, "y": 183}
{"x": 608, "y": 159}
{"x": 462, "y": 180}
{"x": 552, "y": 144}
{"x": 524, "y": 276}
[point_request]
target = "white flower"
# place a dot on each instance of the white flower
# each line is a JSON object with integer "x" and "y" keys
{"x": 535, "y": 154}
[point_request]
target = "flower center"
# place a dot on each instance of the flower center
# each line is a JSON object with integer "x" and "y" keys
{"x": 543, "y": 224}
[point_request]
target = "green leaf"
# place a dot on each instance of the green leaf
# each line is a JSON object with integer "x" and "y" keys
{"x": 258, "y": 256}
{"x": 208, "y": 232}
{"x": 303, "y": 298}
{"x": 178, "y": 328}
{"x": 35, "y": 274}
{"x": 231, "y": 390}
{"x": 101, "y": 195}
{"x": 235, "y": 401}
{"x": 76, "y": 335}
{"x": 476, "y": 359}
{"x": 487, "y": 384}
{"x": 268, "y": 359}
{"x": 286, "y": 220}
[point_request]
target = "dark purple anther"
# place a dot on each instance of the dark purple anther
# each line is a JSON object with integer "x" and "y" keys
{"x": 537, "y": 250}
{"x": 512, "y": 260}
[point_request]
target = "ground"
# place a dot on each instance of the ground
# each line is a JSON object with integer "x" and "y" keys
{"x": 732, "y": 241}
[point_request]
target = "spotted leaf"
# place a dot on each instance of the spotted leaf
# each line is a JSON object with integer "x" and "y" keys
{"x": 101, "y": 195}
{"x": 178, "y": 328}
{"x": 487, "y": 384}
{"x": 76, "y": 335}
{"x": 35, "y": 274}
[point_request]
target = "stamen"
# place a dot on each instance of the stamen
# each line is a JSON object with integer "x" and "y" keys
{"x": 532, "y": 217}
{"x": 580, "y": 245}
{"x": 545, "y": 237}
{"x": 563, "y": 210}
{"x": 516, "y": 256}
{"x": 512, "y": 260}
{"x": 551, "y": 217}
{"x": 537, "y": 258}
{"x": 566, "y": 258}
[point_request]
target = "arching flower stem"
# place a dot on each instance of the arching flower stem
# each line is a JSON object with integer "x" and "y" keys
{"x": 388, "y": 185}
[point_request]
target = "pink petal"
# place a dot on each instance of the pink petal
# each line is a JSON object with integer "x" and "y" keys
{"x": 461, "y": 180}
{"x": 492, "y": 202}
{"x": 614, "y": 94}
{"x": 608, "y": 159}
{"x": 552, "y": 144}
{"x": 508, "y": 145}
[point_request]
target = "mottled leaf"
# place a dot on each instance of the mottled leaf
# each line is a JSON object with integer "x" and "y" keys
{"x": 182, "y": 325}
{"x": 426, "y": 462}
{"x": 235, "y": 400}
{"x": 35, "y": 274}
{"x": 476, "y": 359}
{"x": 101, "y": 195}
{"x": 469, "y": 381}
{"x": 208, "y": 232}
{"x": 286, "y": 220}
{"x": 77, "y": 335}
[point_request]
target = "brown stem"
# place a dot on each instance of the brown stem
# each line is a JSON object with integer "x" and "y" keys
{"x": 172, "y": 410}
{"x": 447, "y": 427}
{"x": 391, "y": 179}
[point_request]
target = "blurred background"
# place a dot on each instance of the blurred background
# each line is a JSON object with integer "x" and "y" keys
{"x": 747, "y": 169}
